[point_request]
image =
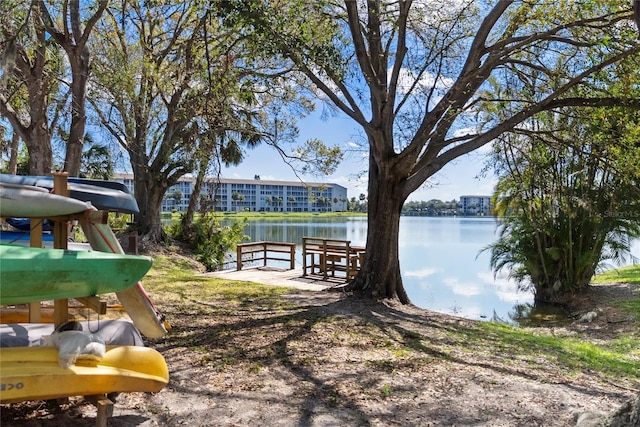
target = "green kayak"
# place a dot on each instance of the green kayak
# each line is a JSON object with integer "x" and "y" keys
{"x": 34, "y": 274}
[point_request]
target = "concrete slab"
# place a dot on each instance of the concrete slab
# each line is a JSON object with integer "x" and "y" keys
{"x": 275, "y": 276}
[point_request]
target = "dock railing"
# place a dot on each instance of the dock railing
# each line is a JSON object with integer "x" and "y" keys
{"x": 266, "y": 251}
{"x": 329, "y": 256}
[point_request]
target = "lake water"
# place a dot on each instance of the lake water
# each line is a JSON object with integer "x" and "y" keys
{"x": 441, "y": 261}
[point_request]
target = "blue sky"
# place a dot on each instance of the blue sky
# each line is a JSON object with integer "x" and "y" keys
{"x": 462, "y": 177}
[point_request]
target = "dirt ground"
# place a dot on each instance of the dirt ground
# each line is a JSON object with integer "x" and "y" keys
{"x": 324, "y": 359}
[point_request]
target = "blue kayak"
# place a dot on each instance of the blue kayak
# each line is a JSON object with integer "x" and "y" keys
{"x": 24, "y": 224}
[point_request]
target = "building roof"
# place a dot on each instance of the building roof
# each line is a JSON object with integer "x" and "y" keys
{"x": 246, "y": 181}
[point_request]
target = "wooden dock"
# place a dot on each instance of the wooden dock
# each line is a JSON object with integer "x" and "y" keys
{"x": 274, "y": 276}
{"x": 321, "y": 259}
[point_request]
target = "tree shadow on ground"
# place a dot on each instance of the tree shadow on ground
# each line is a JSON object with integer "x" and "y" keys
{"x": 333, "y": 359}
{"x": 291, "y": 341}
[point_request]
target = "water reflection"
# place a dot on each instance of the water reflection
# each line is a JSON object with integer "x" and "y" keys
{"x": 537, "y": 315}
{"x": 444, "y": 269}
{"x": 294, "y": 230}
{"x": 440, "y": 259}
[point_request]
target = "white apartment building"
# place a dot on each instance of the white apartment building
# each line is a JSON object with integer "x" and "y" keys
{"x": 475, "y": 205}
{"x": 255, "y": 195}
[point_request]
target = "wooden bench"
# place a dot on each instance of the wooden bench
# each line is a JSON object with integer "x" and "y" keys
{"x": 326, "y": 257}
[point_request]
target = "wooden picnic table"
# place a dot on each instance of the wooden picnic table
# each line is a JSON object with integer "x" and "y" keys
{"x": 329, "y": 256}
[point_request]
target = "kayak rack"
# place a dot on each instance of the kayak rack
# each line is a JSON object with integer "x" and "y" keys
{"x": 129, "y": 371}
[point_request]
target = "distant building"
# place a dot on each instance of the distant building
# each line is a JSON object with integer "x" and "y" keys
{"x": 256, "y": 195}
{"x": 475, "y": 205}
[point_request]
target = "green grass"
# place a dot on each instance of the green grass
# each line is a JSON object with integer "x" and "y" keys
{"x": 175, "y": 216}
{"x": 617, "y": 358}
{"x": 385, "y": 391}
{"x": 173, "y": 280}
{"x": 629, "y": 274}
{"x": 631, "y": 306}
{"x": 286, "y": 215}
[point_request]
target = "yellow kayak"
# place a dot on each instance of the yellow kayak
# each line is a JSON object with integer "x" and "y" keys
{"x": 33, "y": 373}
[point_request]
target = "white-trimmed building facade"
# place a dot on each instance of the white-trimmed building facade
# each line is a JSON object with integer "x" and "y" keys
{"x": 475, "y": 205}
{"x": 255, "y": 195}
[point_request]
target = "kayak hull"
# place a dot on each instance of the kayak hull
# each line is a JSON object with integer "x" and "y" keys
{"x": 22, "y": 201}
{"x": 24, "y": 239}
{"x": 104, "y": 195}
{"x": 33, "y": 373}
{"x": 135, "y": 300}
{"x": 35, "y": 274}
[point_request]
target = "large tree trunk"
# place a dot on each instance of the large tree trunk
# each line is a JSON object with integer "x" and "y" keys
{"x": 636, "y": 14}
{"x": 13, "y": 153}
{"x": 35, "y": 134}
{"x": 379, "y": 276}
{"x": 153, "y": 228}
{"x": 149, "y": 192}
{"x": 80, "y": 72}
{"x": 73, "y": 39}
{"x": 40, "y": 153}
{"x": 33, "y": 129}
{"x": 193, "y": 199}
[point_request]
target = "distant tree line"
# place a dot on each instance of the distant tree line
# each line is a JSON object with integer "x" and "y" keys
{"x": 359, "y": 204}
{"x": 433, "y": 207}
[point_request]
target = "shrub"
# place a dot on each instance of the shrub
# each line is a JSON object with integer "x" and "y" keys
{"x": 209, "y": 239}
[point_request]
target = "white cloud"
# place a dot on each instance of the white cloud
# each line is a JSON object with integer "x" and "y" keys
{"x": 505, "y": 289}
{"x": 407, "y": 78}
{"x": 470, "y": 132}
{"x": 421, "y": 274}
{"x": 467, "y": 131}
{"x": 462, "y": 288}
{"x": 353, "y": 145}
